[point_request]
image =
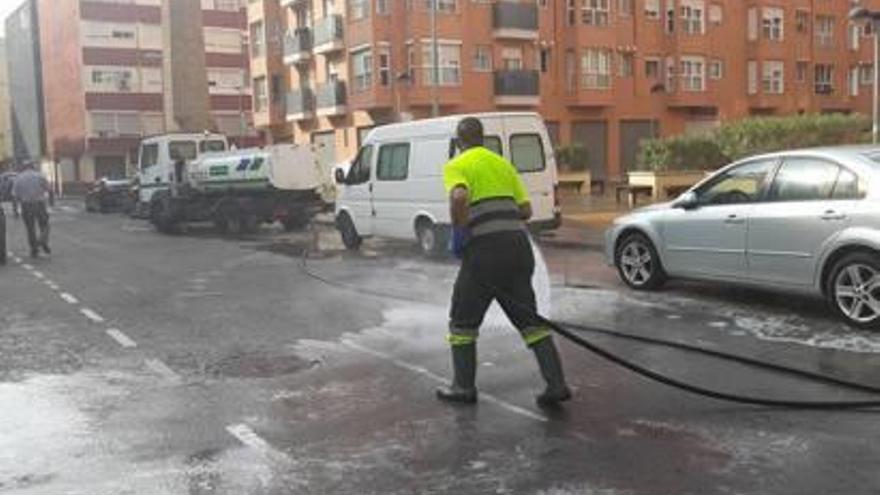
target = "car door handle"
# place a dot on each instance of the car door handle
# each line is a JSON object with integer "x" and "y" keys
{"x": 831, "y": 215}
{"x": 734, "y": 220}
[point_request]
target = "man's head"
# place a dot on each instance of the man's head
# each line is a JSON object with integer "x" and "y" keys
{"x": 469, "y": 133}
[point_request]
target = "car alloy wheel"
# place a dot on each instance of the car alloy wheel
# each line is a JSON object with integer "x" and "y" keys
{"x": 637, "y": 263}
{"x": 857, "y": 293}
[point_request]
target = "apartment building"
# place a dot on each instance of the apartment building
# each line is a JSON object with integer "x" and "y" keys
{"x": 25, "y": 82}
{"x": 6, "y": 149}
{"x": 112, "y": 71}
{"x": 603, "y": 73}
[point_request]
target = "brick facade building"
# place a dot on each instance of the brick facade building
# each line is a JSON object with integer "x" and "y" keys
{"x": 106, "y": 78}
{"x": 603, "y": 73}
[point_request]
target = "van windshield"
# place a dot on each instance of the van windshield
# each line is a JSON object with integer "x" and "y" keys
{"x": 182, "y": 150}
{"x": 212, "y": 146}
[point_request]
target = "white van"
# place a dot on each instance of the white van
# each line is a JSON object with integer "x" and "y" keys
{"x": 394, "y": 188}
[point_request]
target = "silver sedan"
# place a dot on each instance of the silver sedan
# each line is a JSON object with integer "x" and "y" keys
{"x": 803, "y": 221}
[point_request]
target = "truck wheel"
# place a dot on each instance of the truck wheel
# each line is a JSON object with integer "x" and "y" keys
{"x": 432, "y": 238}
{"x": 350, "y": 237}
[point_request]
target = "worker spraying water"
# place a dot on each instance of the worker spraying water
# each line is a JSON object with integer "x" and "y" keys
{"x": 489, "y": 206}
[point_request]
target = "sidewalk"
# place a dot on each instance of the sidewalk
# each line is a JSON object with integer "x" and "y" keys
{"x": 584, "y": 220}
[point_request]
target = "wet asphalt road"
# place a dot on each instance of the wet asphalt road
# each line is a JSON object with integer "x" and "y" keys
{"x": 134, "y": 363}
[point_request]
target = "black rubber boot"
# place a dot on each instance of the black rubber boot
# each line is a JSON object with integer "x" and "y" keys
{"x": 464, "y": 364}
{"x": 551, "y": 369}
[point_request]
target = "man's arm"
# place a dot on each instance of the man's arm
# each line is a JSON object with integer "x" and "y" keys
{"x": 459, "y": 206}
{"x": 525, "y": 211}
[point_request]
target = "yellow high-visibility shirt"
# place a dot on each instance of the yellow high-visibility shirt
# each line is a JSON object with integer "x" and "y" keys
{"x": 485, "y": 175}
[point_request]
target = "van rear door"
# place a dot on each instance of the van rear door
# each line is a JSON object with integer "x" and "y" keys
{"x": 528, "y": 148}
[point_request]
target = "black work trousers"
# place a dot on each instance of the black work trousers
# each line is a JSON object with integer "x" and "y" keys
{"x": 34, "y": 214}
{"x": 495, "y": 267}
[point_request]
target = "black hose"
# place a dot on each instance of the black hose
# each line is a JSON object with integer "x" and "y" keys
{"x": 648, "y": 373}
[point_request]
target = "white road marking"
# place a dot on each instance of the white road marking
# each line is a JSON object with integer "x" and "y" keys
{"x": 162, "y": 370}
{"x": 673, "y": 317}
{"x": 244, "y": 434}
{"x": 27, "y": 266}
{"x": 121, "y": 338}
{"x": 39, "y": 275}
{"x": 68, "y": 298}
{"x": 52, "y": 285}
{"x": 718, "y": 324}
{"x": 439, "y": 379}
{"x": 95, "y": 317}
{"x": 17, "y": 259}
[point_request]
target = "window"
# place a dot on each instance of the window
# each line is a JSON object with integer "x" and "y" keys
{"x": 804, "y": 179}
{"x": 774, "y": 77}
{"x": 866, "y": 74}
{"x": 258, "y": 42}
{"x": 112, "y": 80}
{"x": 693, "y": 76}
{"x": 212, "y": 146}
{"x": 847, "y": 186}
{"x": 445, "y": 6}
{"x": 670, "y": 17}
{"x": 384, "y": 67}
{"x": 772, "y": 24}
{"x": 570, "y": 71}
{"x": 277, "y": 90}
{"x": 625, "y": 65}
{"x": 149, "y": 155}
{"x": 752, "y": 24}
{"x": 716, "y": 69}
{"x": 824, "y": 79}
{"x": 182, "y": 150}
{"x": 449, "y": 66}
{"x": 801, "y": 69}
{"x": 855, "y": 37}
{"x": 493, "y": 144}
{"x": 595, "y": 12}
{"x": 115, "y": 124}
{"x": 596, "y": 68}
{"x": 692, "y": 16}
{"x": 512, "y": 58}
{"x": 260, "y": 94}
{"x": 652, "y": 9}
{"x": 362, "y": 69}
{"x": 382, "y": 7}
{"x": 360, "y": 169}
{"x": 752, "y": 69}
{"x": 527, "y": 153}
{"x": 852, "y": 79}
{"x": 625, "y": 7}
{"x": 741, "y": 184}
{"x": 483, "y": 58}
{"x": 802, "y": 21}
{"x": 393, "y": 162}
{"x": 716, "y": 14}
{"x": 825, "y": 31}
{"x": 544, "y": 60}
{"x": 571, "y": 12}
{"x": 219, "y": 40}
{"x": 358, "y": 9}
{"x": 652, "y": 68}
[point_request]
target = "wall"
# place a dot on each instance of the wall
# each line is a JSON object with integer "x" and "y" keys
{"x": 23, "y": 64}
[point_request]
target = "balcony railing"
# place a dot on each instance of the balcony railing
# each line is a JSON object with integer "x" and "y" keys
{"x": 328, "y": 35}
{"x": 331, "y": 98}
{"x": 517, "y": 83}
{"x": 298, "y": 46}
{"x": 300, "y": 104}
{"x": 515, "y": 20}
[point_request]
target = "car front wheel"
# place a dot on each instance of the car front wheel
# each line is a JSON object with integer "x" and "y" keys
{"x": 638, "y": 263}
{"x": 854, "y": 290}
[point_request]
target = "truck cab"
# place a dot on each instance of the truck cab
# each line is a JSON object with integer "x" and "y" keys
{"x": 163, "y": 160}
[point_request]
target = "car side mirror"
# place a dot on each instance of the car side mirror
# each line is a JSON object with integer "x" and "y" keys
{"x": 687, "y": 201}
{"x": 339, "y": 175}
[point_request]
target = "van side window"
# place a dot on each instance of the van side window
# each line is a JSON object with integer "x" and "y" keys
{"x": 360, "y": 169}
{"x": 149, "y": 155}
{"x": 493, "y": 143}
{"x": 393, "y": 162}
{"x": 527, "y": 153}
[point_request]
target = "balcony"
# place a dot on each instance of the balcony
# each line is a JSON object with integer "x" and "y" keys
{"x": 300, "y": 105}
{"x": 328, "y": 35}
{"x": 331, "y": 99}
{"x": 519, "y": 88}
{"x": 293, "y": 3}
{"x": 512, "y": 20}
{"x": 298, "y": 46}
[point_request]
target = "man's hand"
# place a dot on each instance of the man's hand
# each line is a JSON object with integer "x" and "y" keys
{"x": 459, "y": 206}
{"x": 460, "y": 236}
{"x": 525, "y": 211}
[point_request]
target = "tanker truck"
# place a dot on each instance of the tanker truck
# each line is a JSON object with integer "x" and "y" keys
{"x": 195, "y": 178}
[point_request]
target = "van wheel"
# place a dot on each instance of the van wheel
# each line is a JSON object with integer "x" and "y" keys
{"x": 854, "y": 291}
{"x": 350, "y": 237}
{"x": 432, "y": 239}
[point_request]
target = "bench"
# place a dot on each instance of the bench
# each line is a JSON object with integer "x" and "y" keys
{"x": 577, "y": 184}
{"x": 631, "y": 193}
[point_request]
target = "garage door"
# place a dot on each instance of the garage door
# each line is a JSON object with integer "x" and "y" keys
{"x": 632, "y": 133}
{"x": 593, "y": 136}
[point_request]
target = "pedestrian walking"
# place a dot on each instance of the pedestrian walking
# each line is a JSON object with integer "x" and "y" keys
{"x": 7, "y": 179}
{"x": 31, "y": 189}
{"x": 489, "y": 206}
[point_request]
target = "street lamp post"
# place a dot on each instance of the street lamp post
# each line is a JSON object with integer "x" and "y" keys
{"x": 872, "y": 17}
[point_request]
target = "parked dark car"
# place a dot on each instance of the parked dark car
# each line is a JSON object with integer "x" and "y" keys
{"x": 109, "y": 195}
